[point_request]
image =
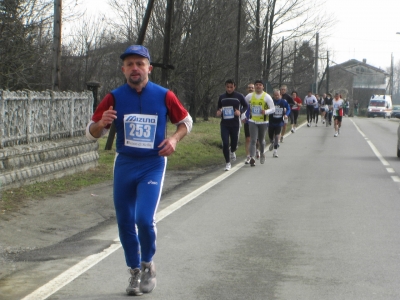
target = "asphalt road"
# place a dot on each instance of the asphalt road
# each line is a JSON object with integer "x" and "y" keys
{"x": 319, "y": 222}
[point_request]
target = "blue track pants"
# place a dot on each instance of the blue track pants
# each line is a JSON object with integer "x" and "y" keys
{"x": 137, "y": 190}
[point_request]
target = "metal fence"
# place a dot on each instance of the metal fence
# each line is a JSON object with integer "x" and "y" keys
{"x": 28, "y": 117}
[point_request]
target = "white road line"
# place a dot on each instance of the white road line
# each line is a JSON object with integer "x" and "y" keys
{"x": 396, "y": 178}
{"x": 376, "y": 152}
{"x": 66, "y": 277}
{"x": 75, "y": 271}
{"x": 178, "y": 204}
{"x": 390, "y": 170}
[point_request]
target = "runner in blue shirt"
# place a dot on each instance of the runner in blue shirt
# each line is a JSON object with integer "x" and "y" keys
{"x": 231, "y": 108}
{"x": 276, "y": 120}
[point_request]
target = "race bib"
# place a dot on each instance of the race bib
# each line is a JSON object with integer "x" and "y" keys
{"x": 256, "y": 110}
{"x": 140, "y": 130}
{"x": 278, "y": 112}
{"x": 228, "y": 112}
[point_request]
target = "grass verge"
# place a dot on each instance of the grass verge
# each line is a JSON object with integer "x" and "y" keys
{"x": 202, "y": 148}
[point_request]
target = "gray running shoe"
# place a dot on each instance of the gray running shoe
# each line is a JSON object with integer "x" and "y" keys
{"x": 247, "y": 160}
{"x": 252, "y": 162}
{"x": 271, "y": 146}
{"x": 262, "y": 158}
{"x": 275, "y": 154}
{"x": 227, "y": 166}
{"x": 282, "y": 139}
{"x": 233, "y": 156}
{"x": 133, "y": 288}
{"x": 148, "y": 279}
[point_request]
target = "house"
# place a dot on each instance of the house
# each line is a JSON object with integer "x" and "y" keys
{"x": 357, "y": 81}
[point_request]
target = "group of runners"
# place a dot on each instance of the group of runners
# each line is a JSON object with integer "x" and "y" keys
{"x": 140, "y": 110}
{"x": 327, "y": 108}
{"x": 261, "y": 114}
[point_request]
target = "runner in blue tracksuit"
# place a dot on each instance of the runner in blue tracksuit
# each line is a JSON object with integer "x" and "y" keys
{"x": 231, "y": 106}
{"x": 139, "y": 110}
{"x": 276, "y": 120}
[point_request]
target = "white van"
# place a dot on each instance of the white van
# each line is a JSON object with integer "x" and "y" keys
{"x": 380, "y": 106}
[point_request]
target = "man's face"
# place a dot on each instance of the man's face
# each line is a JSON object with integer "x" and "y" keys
{"x": 283, "y": 91}
{"x": 309, "y": 94}
{"x": 259, "y": 87}
{"x": 324, "y": 95}
{"x": 136, "y": 69}
{"x": 250, "y": 88}
{"x": 277, "y": 95}
{"x": 229, "y": 88}
{"x": 337, "y": 97}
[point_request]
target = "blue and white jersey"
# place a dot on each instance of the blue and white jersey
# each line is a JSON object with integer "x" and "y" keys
{"x": 281, "y": 108}
{"x": 310, "y": 100}
{"x": 228, "y": 104}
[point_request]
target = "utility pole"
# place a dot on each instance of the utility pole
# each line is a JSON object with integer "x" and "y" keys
{"x": 265, "y": 45}
{"x": 167, "y": 42}
{"x": 238, "y": 43}
{"x": 316, "y": 64}
{"x": 294, "y": 65}
{"x": 56, "y": 74}
{"x": 146, "y": 19}
{"x": 327, "y": 71}
{"x": 391, "y": 77}
{"x": 281, "y": 67}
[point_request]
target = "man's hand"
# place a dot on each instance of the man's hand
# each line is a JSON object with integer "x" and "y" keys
{"x": 219, "y": 113}
{"x": 237, "y": 113}
{"x": 108, "y": 116}
{"x": 167, "y": 146}
{"x": 106, "y": 119}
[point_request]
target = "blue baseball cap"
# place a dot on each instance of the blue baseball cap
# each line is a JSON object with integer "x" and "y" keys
{"x": 136, "y": 50}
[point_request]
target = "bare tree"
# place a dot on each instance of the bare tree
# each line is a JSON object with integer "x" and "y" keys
{"x": 25, "y": 43}
{"x": 128, "y": 17}
{"x": 396, "y": 82}
{"x": 293, "y": 19}
{"x": 203, "y": 52}
{"x": 203, "y": 46}
{"x": 92, "y": 54}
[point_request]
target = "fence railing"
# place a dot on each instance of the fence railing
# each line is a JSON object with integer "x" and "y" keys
{"x": 28, "y": 117}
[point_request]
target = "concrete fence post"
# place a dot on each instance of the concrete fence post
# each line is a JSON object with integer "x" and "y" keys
{"x": 93, "y": 86}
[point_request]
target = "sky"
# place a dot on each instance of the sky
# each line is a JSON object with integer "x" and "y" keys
{"x": 365, "y": 29}
{"x": 362, "y": 29}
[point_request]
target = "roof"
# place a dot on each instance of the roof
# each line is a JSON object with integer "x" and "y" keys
{"x": 354, "y": 63}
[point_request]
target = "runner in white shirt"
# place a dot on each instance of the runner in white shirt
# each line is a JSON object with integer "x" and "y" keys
{"x": 310, "y": 101}
{"x": 337, "y": 113}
